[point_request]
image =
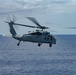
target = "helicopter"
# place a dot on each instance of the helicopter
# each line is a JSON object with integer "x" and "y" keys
{"x": 39, "y": 36}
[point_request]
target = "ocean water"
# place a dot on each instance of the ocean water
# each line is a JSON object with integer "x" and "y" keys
{"x": 29, "y": 59}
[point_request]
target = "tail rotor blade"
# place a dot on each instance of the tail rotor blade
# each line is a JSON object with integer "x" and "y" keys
{"x": 11, "y": 18}
{"x": 8, "y": 18}
{"x": 7, "y": 22}
{"x": 14, "y": 18}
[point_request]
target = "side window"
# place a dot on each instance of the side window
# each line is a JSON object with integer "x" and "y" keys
{"x": 47, "y": 37}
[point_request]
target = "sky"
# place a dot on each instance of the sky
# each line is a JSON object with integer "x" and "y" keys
{"x": 58, "y": 15}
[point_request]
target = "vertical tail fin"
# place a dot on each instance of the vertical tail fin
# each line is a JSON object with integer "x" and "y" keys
{"x": 12, "y": 30}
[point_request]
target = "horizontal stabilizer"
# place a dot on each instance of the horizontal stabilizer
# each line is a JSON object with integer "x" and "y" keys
{"x": 7, "y": 35}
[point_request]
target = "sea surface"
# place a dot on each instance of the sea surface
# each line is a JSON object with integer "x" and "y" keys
{"x": 29, "y": 59}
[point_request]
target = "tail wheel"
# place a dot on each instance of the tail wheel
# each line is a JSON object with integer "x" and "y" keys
{"x": 18, "y": 43}
{"x": 50, "y": 45}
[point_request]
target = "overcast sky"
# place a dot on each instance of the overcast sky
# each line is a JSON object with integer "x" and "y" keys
{"x": 56, "y": 14}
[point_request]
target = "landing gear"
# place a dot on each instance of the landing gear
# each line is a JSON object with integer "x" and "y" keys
{"x": 50, "y": 45}
{"x": 39, "y": 44}
{"x": 18, "y": 43}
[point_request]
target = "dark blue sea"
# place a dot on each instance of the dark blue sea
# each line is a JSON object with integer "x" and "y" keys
{"x": 29, "y": 59}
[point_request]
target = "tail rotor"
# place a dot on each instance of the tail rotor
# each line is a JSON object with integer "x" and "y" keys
{"x": 11, "y": 20}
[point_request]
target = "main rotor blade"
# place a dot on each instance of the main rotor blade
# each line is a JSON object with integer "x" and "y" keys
{"x": 53, "y": 31}
{"x": 34, "y": 21}
{"x": 25, "y": 25}
{"x": 71, "y": 27}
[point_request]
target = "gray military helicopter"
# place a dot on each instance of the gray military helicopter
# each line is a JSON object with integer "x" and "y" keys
{"x": 39, "y": 36}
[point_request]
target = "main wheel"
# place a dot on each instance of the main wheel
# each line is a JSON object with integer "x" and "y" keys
{"x": 39, "y": 44}
{"x": 50, "y": 45}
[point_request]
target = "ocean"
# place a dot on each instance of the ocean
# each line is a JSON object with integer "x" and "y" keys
{"x": 29, "y": 59}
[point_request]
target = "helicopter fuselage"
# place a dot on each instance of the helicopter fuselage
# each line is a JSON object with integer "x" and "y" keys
{"x": 37, "y": 38}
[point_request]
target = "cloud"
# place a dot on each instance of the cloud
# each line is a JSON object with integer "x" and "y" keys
{"x": 54, "y": 6}
{"x": 7, "y": 6}
{"x": 59, "y": 1}
{"x": 61, "y": 6}
{"x": 18, "y": 4}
